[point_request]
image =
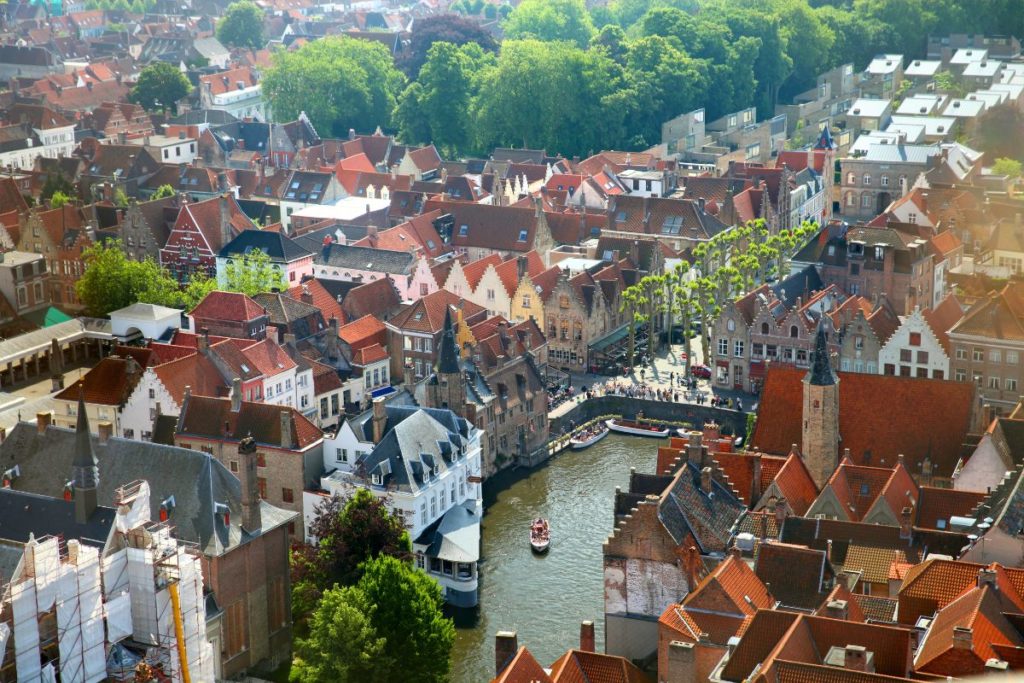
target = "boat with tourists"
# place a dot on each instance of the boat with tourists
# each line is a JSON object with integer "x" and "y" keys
{"x": 637, "y": 428}
{"x": 540, "y": 535}
{"x": 588, "y": 437}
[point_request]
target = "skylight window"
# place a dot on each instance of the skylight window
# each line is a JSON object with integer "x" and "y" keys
{"x": 522, "y": 236}
{"x": 245, "y": 368}
{"x": 463, "y": 230}
{"x": 672, "y": 225}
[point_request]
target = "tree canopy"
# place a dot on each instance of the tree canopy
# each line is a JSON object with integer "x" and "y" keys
{"x": 252, "y": 274}
{"x": 112, "y": 281}
{"x": 163, "y": 191}
{"x": 551, "y": 20}
{"x": 387, "y": 627}
{"x": 340, "y": 83}
{"x": 442, "y": 28}
{"x": 241, "y": 26}
{"x": 160, "y": 86}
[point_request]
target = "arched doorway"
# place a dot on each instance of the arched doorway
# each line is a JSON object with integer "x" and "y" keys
{"x": 884, "y": 200}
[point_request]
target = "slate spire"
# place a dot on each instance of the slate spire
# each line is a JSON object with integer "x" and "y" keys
{"x": 85, "y": 474}
{"x": 448, "y": 355}
{"x": 821, "y": 373}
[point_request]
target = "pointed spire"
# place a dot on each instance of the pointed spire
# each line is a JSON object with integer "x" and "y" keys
{"x": 821, "y": 373}
{"x": 84, "y": 471}
{"x": 448, "y": 356}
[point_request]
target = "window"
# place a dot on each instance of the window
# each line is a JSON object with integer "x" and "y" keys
{"x": 858, "y": 342}
{"x": 867, "y": 179}
{"x": 764, "y": 328}
{"x": 976, "y": 376}
{"x": 463, "y": 230}
{"x": 563, "y": 301}
{"x": 522, "y": 236}
{"x": 1011, "y": 358}
{"x": 960, "y": 375}
{"x": 341, "y": 454}
{"x": 376, "y": 479}
{"x": 922, "y": 357}
{"x": 723, "y": 347}
{"x": 915, "y": 338}
{"x": 995, "y": 356}
{"x": 884, "y": 180}
{"x": 879, "y": 253}
{"x": 865, "y": 200}
{"x": 993, "y": 383}
{"x": 235, "y": 620}
{"x": 738, "y": 348}
{"x": 977, "y": 355}
{"x": 287, "y": 496}
{"x": 851, "y": 200}
{"x": 424, "y": 289}
{"x": 423, "y": 514}
{"x": 433, "y": 507}
{"x": 794, "y": 332}
{"x": 906, "y": 355}
{"x": 1011, "y": 384}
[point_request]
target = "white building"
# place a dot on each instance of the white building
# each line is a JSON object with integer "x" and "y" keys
{"x": 145, "y": 321}
{"x": 427, "y": 462}
{"x": 914, "y": 350}
{"x": 48, "y": 134}
{"x": 167, "y": 149}
{"x": 643, "y": 183}
{"x": 236, "y": 91}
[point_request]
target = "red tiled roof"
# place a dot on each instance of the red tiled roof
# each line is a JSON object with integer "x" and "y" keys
{"x": 522, "y": 669}
{"x": 857, "y": 487}
{"x": 227, "y": 81}
{"x": 365, "y": 331}
{"x": 796, "y": 484}
{"x": 936, "y": 505}
{"x": 476, "y": 269}
{"x": 942, "y": 318}
{"x": 765, "y": 631}
{"x": 576, "y": 666}
{"x": 195, "y": 371}
{"x": 212, "y": 418}
{"x": 322, "y": 299}
{"x": 508, "y": 271}
{"x": 946, "y": 242}
{"x": 735, "y": 583}
{"x": 109, "y": 383}
{"x": 368, "y": 354}
{"x": 227, "y": 306}
{"x": 427, "y": 314}
{"x": 922, "y": 418}
{"x": 794, "y": 573}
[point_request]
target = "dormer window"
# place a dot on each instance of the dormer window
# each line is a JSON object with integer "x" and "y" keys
{"x": 376, "y": 479}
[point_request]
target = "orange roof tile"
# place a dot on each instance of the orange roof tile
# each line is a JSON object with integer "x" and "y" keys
{"x": 365, "y": 331}
{"x": 796, "y": 484}
{"x": 522, "y": 669}
{"x": 935, "y": 506}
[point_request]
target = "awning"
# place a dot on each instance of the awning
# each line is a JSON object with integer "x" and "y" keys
{"x": 722, "y": 364}
{"x": 383, "y": 391}
{"x": 610, "y": 339}
{"x": 758, "y": 368}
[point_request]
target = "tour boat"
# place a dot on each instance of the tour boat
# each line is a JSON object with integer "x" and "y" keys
{"x": 540, "y": 535}
{"x": 588, "y": 437}
{"x": 637, "y": 428}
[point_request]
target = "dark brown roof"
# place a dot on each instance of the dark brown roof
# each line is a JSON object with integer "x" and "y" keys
{"x": 212, "y": 418}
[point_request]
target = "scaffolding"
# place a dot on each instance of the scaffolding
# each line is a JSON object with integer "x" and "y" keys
{"x": 67, "y": 605}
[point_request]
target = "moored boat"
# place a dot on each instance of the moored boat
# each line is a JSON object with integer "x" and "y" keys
{"x": 637, "y": 428}
{"x": 588, "y": 437}
{"x": 540, "y": 535}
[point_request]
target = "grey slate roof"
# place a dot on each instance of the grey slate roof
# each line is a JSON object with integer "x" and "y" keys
{"x": 366, "y": 258}
{"x": 821, "y": 372}
{"x": 278, "y": 247}
{"x": 195, "y": 479}
{"x": 685, "y": 508}
{"x": 455, "y": 536}
{"x": 23, "y": 514}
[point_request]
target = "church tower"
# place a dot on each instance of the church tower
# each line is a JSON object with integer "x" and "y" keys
{"x": 85, "y": 474}
{"x": 821, "y": 413}
{"x": 446, "y": 388}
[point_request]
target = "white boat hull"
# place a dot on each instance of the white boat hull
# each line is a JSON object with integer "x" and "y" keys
{"x": 579, "y": 444}
{"x": 540, "y": 546}
{"x": 625, "y": 429}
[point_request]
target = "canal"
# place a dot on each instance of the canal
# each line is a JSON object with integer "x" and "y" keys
{"x": 544, "y": 598}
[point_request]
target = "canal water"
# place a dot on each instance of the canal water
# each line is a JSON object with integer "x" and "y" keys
{"x": 545, "y": 597}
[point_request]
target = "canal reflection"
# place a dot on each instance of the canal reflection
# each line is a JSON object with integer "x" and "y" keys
{"x": 545, "y": 597}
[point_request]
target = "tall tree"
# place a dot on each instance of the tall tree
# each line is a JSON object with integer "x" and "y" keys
{"x": 551, "y": 20}
{"x": 343, "y": 646}
{"x": 160, "y": 86}
{"x": 253, "y": 274}
{"x": 111, "y": 281}
{"x": 447, "y": 28}
{"x": 340, "y": 83}
{"x": 242, "y": 26}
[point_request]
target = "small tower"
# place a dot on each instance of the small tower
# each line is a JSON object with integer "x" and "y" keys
{"x": 85, "y": 474}
{"x": 821, "y": 413}
{"x": 447, "y": 389}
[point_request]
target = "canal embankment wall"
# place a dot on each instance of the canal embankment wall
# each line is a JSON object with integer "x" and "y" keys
{"x": 658, "y": 411}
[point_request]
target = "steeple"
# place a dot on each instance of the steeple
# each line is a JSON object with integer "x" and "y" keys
{"x": 85, "y": 476}
{"x": 821, "y": 373}
{"x": 448, "y": 354}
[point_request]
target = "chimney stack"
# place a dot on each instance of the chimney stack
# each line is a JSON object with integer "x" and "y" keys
{"x": 705, "y": 480}
{"x": 587, "y": 643}
{"x": 236, "y": 394}
{"x": 251, "y": 520}
{"x": 695, "y": 449}
{"x": 105, "y": 430}
{"x": 43, "y": 420}
{"x": 286, "y": 428}
{"x": 307, "y": 296}
{"x": 203, "y": 340}
{"x": 506, "y": 644}
{"x": 963, "y": 638}
{"x": 856, "y": 659}
{"x": 837, "y": 609}
{"x": 987, "y": 577}
{"x": 380, "y": 418}
{"x": 906, "y": 523}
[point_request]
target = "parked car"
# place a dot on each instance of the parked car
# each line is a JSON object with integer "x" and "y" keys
{"x": 700, "y": 371}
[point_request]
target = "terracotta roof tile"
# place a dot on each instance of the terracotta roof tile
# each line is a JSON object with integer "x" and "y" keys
{"x": 522, "y": 669}
{"x": 923, "y": 418}
{"x": 943, "y": 318}
{"x": 365, "y": 331}
{"x": 876, "y": 608}
{"x": 227, "y": 306}
{"x": 369, "y": 354}
{"x": 195, "y": 371}
{"x": 576, "y": 666}
{"x": 321, "y": 298}
{"x": 795, "y": 573}
{"x": 427, "y": 314}
{"x": 377, "y": 298}
{"x": 735, "y": 583}
{"x": 764, "y": 632}
{"x": 110, "y": 382}
{"x": 796, "y": 484}
{"x": 935, "y": 506}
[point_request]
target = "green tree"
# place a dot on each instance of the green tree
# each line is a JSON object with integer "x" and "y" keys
{"x": 58, "y": 199}
{"x": 408, "y": 616}
{"x": 199, "y": 285}
{"x": 634, "y": 304}
{"x": 160, "y": 86}
{"x": 57, "y": 183}
{"x": 241, "y": 26}
{"x": 340, "y": 83}
{"x": 343, "y": 645}
{"x": 551, "y": 20}
{"x": 947, "y": 82}
{"x": 252, "y": 274}
{"x": 163, "y": 191}
{"x": 665, "y": 82}
{"x": 111, "y": 281}
{"x": 1007, "y": 167}
{"x": 442, "y": 28}
{"x": 1000, "y": 130}
{"x": 120, "y": 198}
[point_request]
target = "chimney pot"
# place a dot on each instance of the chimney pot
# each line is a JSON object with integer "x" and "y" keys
{"x": 587, "y": 642}
{"x": 43, "y": 420}
{"x": 506, "y": 644}
{"x": 380, "y": 419}
{"x": 705, "y": 480}
{"x": 963, "y": 638}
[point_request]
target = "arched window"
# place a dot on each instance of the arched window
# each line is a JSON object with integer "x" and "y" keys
{"x": 794, "y": 332}
{"x": 867, "y": 178}
{"x": 851, "y": 178}
{"x": 764, "y": 328}
{"x": 850, "y": 199}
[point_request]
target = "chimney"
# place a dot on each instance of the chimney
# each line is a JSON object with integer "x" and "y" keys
{"x": 286, "y": 428}
{"x": 837, "y": 609}
{"x": 307, "y": 296}
{"x": 755, "y": 481}
{"x": 43, "y": 420}
{"x": 236, "y": 394}
{"x": 681, "y": 662}
{"x": 247, "y": 474}
{"x": 856, "y": 659}
{"x": 522, "y": 267}
{"x": 987, "y": 577}
{"x": 963, "y": 638}
{"x": 906, "y": 523}
{"x": 506, "y": 644}
{"x": 781, "y": 512}
{"x": 701, "y": 204}
{"x": 587, "y": 637}
{"x": 203, "y": 341}
{"x": 712, "y": 432}
{"x": 380, "y": 418}
{"x": 105, "y": 431}
{"x": 705, "y": 480}
{"x": 332, "y": 339}
{"x": 225, "y": 219}
{"x": 695, "y": 449}
{"x": 407, "y": 377}
{"x": 810, "y": 157}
